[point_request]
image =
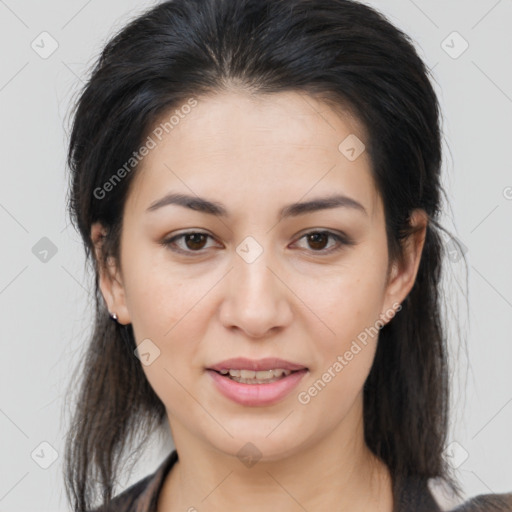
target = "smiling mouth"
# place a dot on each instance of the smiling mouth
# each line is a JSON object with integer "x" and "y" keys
{"x": 257, "y": 377}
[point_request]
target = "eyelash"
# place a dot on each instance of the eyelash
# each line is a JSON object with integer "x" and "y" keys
{"x": 341, "y": 239}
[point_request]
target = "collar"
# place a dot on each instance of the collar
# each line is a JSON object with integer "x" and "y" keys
{"x": 148, "y": 499}
{"x": 409, "y": 493}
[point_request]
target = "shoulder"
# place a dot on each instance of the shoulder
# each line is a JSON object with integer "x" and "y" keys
{"x": 125, "y": 500}
{"x": 414, "y": 494}
{"x": 487, "y": 503}
{"x": 142, "y": 495}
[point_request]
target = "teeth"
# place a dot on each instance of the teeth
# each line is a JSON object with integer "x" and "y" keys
{"x": 263, "y": 375}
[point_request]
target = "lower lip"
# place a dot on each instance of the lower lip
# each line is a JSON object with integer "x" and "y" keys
{"x": 256, "y": 394}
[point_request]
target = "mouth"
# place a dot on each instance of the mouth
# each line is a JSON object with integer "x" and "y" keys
{"x": 256, "y": 388}
{"x": 257, "y": 377}
{"x": 252, "y": 371}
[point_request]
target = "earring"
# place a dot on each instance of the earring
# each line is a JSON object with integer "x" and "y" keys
{"x": 113, "y": 316}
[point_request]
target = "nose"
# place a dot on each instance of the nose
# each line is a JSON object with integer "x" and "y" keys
{"x": 257, "y": 299}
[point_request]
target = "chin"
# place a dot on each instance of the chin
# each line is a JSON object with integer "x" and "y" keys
{"x": 257, "y": 446}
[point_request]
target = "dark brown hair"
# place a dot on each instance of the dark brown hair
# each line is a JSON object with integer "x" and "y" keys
{"x": 340, "y": 51}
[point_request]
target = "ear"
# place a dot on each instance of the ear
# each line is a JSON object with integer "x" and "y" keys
{"x": 110, "y": 280}
{"x": 403, "y": 274}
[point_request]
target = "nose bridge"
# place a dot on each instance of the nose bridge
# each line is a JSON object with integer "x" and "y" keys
{"x": 255, "y": 278}
{"x": 257, "y": 300}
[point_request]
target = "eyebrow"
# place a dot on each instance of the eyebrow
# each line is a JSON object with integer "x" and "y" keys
{"x": 292, "y": 210}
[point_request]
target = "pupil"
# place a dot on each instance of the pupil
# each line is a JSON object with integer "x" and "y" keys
{"x": 194, "y": 239}
{"x": 314, "y": 239}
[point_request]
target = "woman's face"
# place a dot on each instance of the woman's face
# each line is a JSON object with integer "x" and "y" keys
{"x": 257, "y": 280}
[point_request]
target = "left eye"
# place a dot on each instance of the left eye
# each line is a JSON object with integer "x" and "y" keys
{"x": 195, "y": 241}
{"x": 318, "y": 240}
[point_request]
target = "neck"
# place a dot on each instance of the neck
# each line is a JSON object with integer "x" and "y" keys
{"x": 337, "y": 472}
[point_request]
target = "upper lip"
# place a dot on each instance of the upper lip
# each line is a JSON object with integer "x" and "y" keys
{"x": 268, "y": 363}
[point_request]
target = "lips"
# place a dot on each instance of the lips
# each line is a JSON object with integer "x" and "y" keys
{"x": 257, "y": 394}
{"x": 269, "y": 363}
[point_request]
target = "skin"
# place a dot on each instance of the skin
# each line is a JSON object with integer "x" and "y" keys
{"x": 296, "y": 301}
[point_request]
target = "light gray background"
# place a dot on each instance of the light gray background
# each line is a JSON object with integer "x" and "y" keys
{"x": 45, "y": 306}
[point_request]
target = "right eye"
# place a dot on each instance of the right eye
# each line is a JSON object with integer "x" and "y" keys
{"x": 192, "y": 242}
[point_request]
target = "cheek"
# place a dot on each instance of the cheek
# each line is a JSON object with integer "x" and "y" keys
{"x": 349, "y": 306}
{"x": 156, "y": 298}
{"x": 350, "y": 301}
{"x": 345, "y": 352}
{"x": 177, "y": 341}
{"x": 168, "y": 309}
{"x": 159, "y": 292}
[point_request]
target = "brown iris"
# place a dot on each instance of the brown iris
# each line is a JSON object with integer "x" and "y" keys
{"x": 195, "y": 240}
{"x": 315, "y": 239}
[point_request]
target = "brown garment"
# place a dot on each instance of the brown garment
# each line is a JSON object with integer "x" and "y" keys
{"x": 411, "y": 496}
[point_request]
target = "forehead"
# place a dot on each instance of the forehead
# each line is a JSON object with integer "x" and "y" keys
{"x": 234, "y": 146}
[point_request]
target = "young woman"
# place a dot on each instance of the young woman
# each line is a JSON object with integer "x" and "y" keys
{"x": 257, "y": 184}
